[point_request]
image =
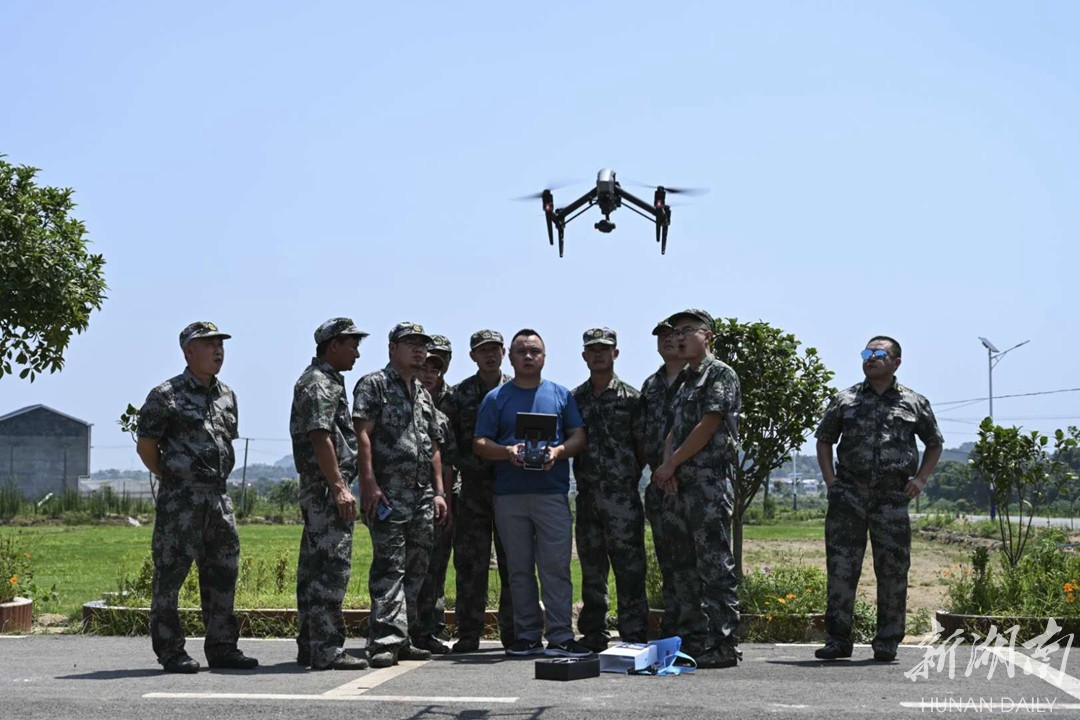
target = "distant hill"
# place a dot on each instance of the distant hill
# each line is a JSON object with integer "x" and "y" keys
{"x": 286, "y": 462}
{"x": 959, "y": 454}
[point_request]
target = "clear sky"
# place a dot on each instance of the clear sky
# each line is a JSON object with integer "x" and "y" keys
{"x": 907, "y": 168}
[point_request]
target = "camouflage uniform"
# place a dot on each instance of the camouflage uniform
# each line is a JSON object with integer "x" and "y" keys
{"x": 194, "y": 426}
{"x": 707, "y": 500}
{"x": 431, "y": 603}
{"x": 876, "y": 458}
{"x": 474, "y": 513}
{"x": 320, "y": 402}
{"x": 671, "y": 536}
{"x": 610, "y": 522}
{"x": 402, "y": 450}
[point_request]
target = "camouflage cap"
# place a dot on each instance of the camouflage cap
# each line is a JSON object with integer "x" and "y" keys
{"x": 696, "y": 313}
{"x": 440, "y": 343}
{"x": 408, "y": 329}
{"x": 198, "y": 330}
{"x": 434, "y": 359}
{"x": 599, "y": 336}
{"x": 335, "y": 327}
{"x": 661, "y": 327}
{"x": 483, "y": 337}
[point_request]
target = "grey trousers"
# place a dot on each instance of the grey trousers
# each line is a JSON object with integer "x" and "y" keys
{"x": 536, "y": 532}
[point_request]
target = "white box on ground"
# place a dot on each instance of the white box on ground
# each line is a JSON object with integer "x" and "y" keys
{"x": 627, "y": 656}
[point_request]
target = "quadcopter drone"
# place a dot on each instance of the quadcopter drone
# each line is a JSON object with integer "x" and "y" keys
{"x": 609, "y": 195}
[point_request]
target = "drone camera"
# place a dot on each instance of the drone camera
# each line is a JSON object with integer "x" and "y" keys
{"x": 605, "y": 226}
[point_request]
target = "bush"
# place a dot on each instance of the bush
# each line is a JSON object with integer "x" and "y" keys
{"x": 783, "y": 590}
{"x": 1045, "y": 583}
{"x": 17, "y": 571}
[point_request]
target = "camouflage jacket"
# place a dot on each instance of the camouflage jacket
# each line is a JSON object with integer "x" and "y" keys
{"x": 613, "y": 425}
{"x": 461, "y": 408}
{"x": 657, "y": 401}
{"x": 194, "y": 426}
{"x": 711, "y": 387}
{"x": 405, "y": 433}
{"x": 877, "y": 432}
{"x": 321, "y": 403}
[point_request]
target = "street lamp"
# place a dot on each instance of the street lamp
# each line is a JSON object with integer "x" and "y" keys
{"x": 993, "y": 357}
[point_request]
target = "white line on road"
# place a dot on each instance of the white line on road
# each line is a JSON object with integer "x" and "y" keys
{"x": 1042, "y": 670}
{"x": 355, "y": 689}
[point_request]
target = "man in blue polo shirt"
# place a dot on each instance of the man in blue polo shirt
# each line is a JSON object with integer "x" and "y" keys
{"x": 532, "y": 512}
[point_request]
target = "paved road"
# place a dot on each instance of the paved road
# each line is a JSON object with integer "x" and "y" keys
{"x": 1068, "y": 523}
{"x": 59, "y": 677}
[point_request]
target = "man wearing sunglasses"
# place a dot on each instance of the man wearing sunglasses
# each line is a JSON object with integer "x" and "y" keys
{"x": 698, "y": 454}
{"x": 877, "y": 473}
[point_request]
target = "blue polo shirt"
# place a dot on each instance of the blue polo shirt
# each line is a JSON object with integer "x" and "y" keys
{"x": 497, "y": 418}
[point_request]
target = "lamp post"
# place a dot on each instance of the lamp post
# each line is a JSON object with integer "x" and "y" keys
{"x": 993, "y": 357}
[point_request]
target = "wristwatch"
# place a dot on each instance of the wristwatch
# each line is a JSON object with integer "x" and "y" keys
{"x": 441, "y": 494}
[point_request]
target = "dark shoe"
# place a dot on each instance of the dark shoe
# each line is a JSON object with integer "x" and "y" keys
{"x": 408, "y": 652}
{"x": 884, "y": 655}
{"x": 568, "y": 648}
{"x": 431, "y": 644}
{"x": 383, "y": 659}
{"x": 507, "y": 641}
{"x": 303, "y": 658}
{"x": 466, "y": 645}
{"x": 345, "y": 661}
{"x": 832, "y": 651}
{"x": 234, "y": 660}
{"x": 182, "y": 664}
{"x": 597, "y": 643}
{"x": 723, "y": 656}
{"x": 522, "y": 647}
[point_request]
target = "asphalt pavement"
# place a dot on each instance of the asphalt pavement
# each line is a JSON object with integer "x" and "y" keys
{"x": 66, "y": 676}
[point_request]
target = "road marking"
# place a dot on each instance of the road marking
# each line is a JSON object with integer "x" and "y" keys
{"x": 355, "y": 689}
{"x": 1042, "y": 670}
{"x": 976, "y": 705}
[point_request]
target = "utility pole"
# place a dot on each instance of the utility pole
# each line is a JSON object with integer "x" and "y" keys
{"x": 794, "y": 483}
{"x": 993, "y": 357}
{"x": 243, "y": 479}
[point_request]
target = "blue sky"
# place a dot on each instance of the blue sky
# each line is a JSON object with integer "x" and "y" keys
{"x": 901, "y": 168}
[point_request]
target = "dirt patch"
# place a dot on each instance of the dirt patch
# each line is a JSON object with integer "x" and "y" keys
{"x": 929, "y": 561}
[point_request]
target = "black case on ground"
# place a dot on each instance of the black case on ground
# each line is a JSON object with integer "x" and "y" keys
{"x": 567, "y": 668}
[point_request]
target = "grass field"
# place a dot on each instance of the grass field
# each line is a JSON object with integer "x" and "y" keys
{"x": 86, "y": 561}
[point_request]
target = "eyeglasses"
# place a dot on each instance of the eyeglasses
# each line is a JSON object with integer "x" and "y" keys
{"x": 686, "y": 330}
{"x": 879, "y": 354}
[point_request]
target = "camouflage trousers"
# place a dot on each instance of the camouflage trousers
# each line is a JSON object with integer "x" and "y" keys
{"x": 474, "y": 521}
{"x": 610, "y": 534}
{"x": 705, "y": 579}
{"x": 322, "y": 574}
{"x": 432, "y": 601}
{"x": 194, "y": 524}
{"x": 400, "y": 552}
{"x": 672, "y": 545}
{"x": 854, "y": 511}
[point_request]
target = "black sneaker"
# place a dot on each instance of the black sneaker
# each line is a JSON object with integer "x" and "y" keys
{"x": 345, "y": 661}
{"x": 233, "y": 660}
{"x": 832, "y": 651}
{"x": 722, "y": 656}
{"x": 522, "y": 647}
{"x": 882, "y": 655}
{"x": 408, "y": 652}
{"x": 466, "y": 645}
{"x": 568, "y": 648}
{"x": 431, "y": 644}
{"x": 181, "y": 664}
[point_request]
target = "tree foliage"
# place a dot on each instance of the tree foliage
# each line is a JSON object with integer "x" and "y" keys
{"x": 49, "y": 281}
{"x": 783, "y": 395}
{"x": 1021, "y": 471}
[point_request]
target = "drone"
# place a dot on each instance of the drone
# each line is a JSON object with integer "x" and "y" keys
{"x": 609, "y": 195}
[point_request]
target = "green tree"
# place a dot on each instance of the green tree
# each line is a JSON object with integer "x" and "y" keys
{"x": 1020, "y": 471}
{"x": 783, "y": 395}
{"x": 49, "y": 282}
{"x": 286, "y": 492}
{"x": 952, "y": 481}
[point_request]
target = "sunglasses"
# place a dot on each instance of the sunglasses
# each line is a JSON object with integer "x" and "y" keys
{"x": 879, "y": 353}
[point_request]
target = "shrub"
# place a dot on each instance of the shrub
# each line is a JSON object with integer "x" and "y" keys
{"x": 17, "y": 571}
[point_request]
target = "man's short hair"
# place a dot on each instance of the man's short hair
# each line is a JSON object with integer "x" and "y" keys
{"x": 895, "y": 345}
{"x": 525, "y": 332}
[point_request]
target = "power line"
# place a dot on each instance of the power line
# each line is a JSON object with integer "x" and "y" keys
{"x": 998, "y": 397}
